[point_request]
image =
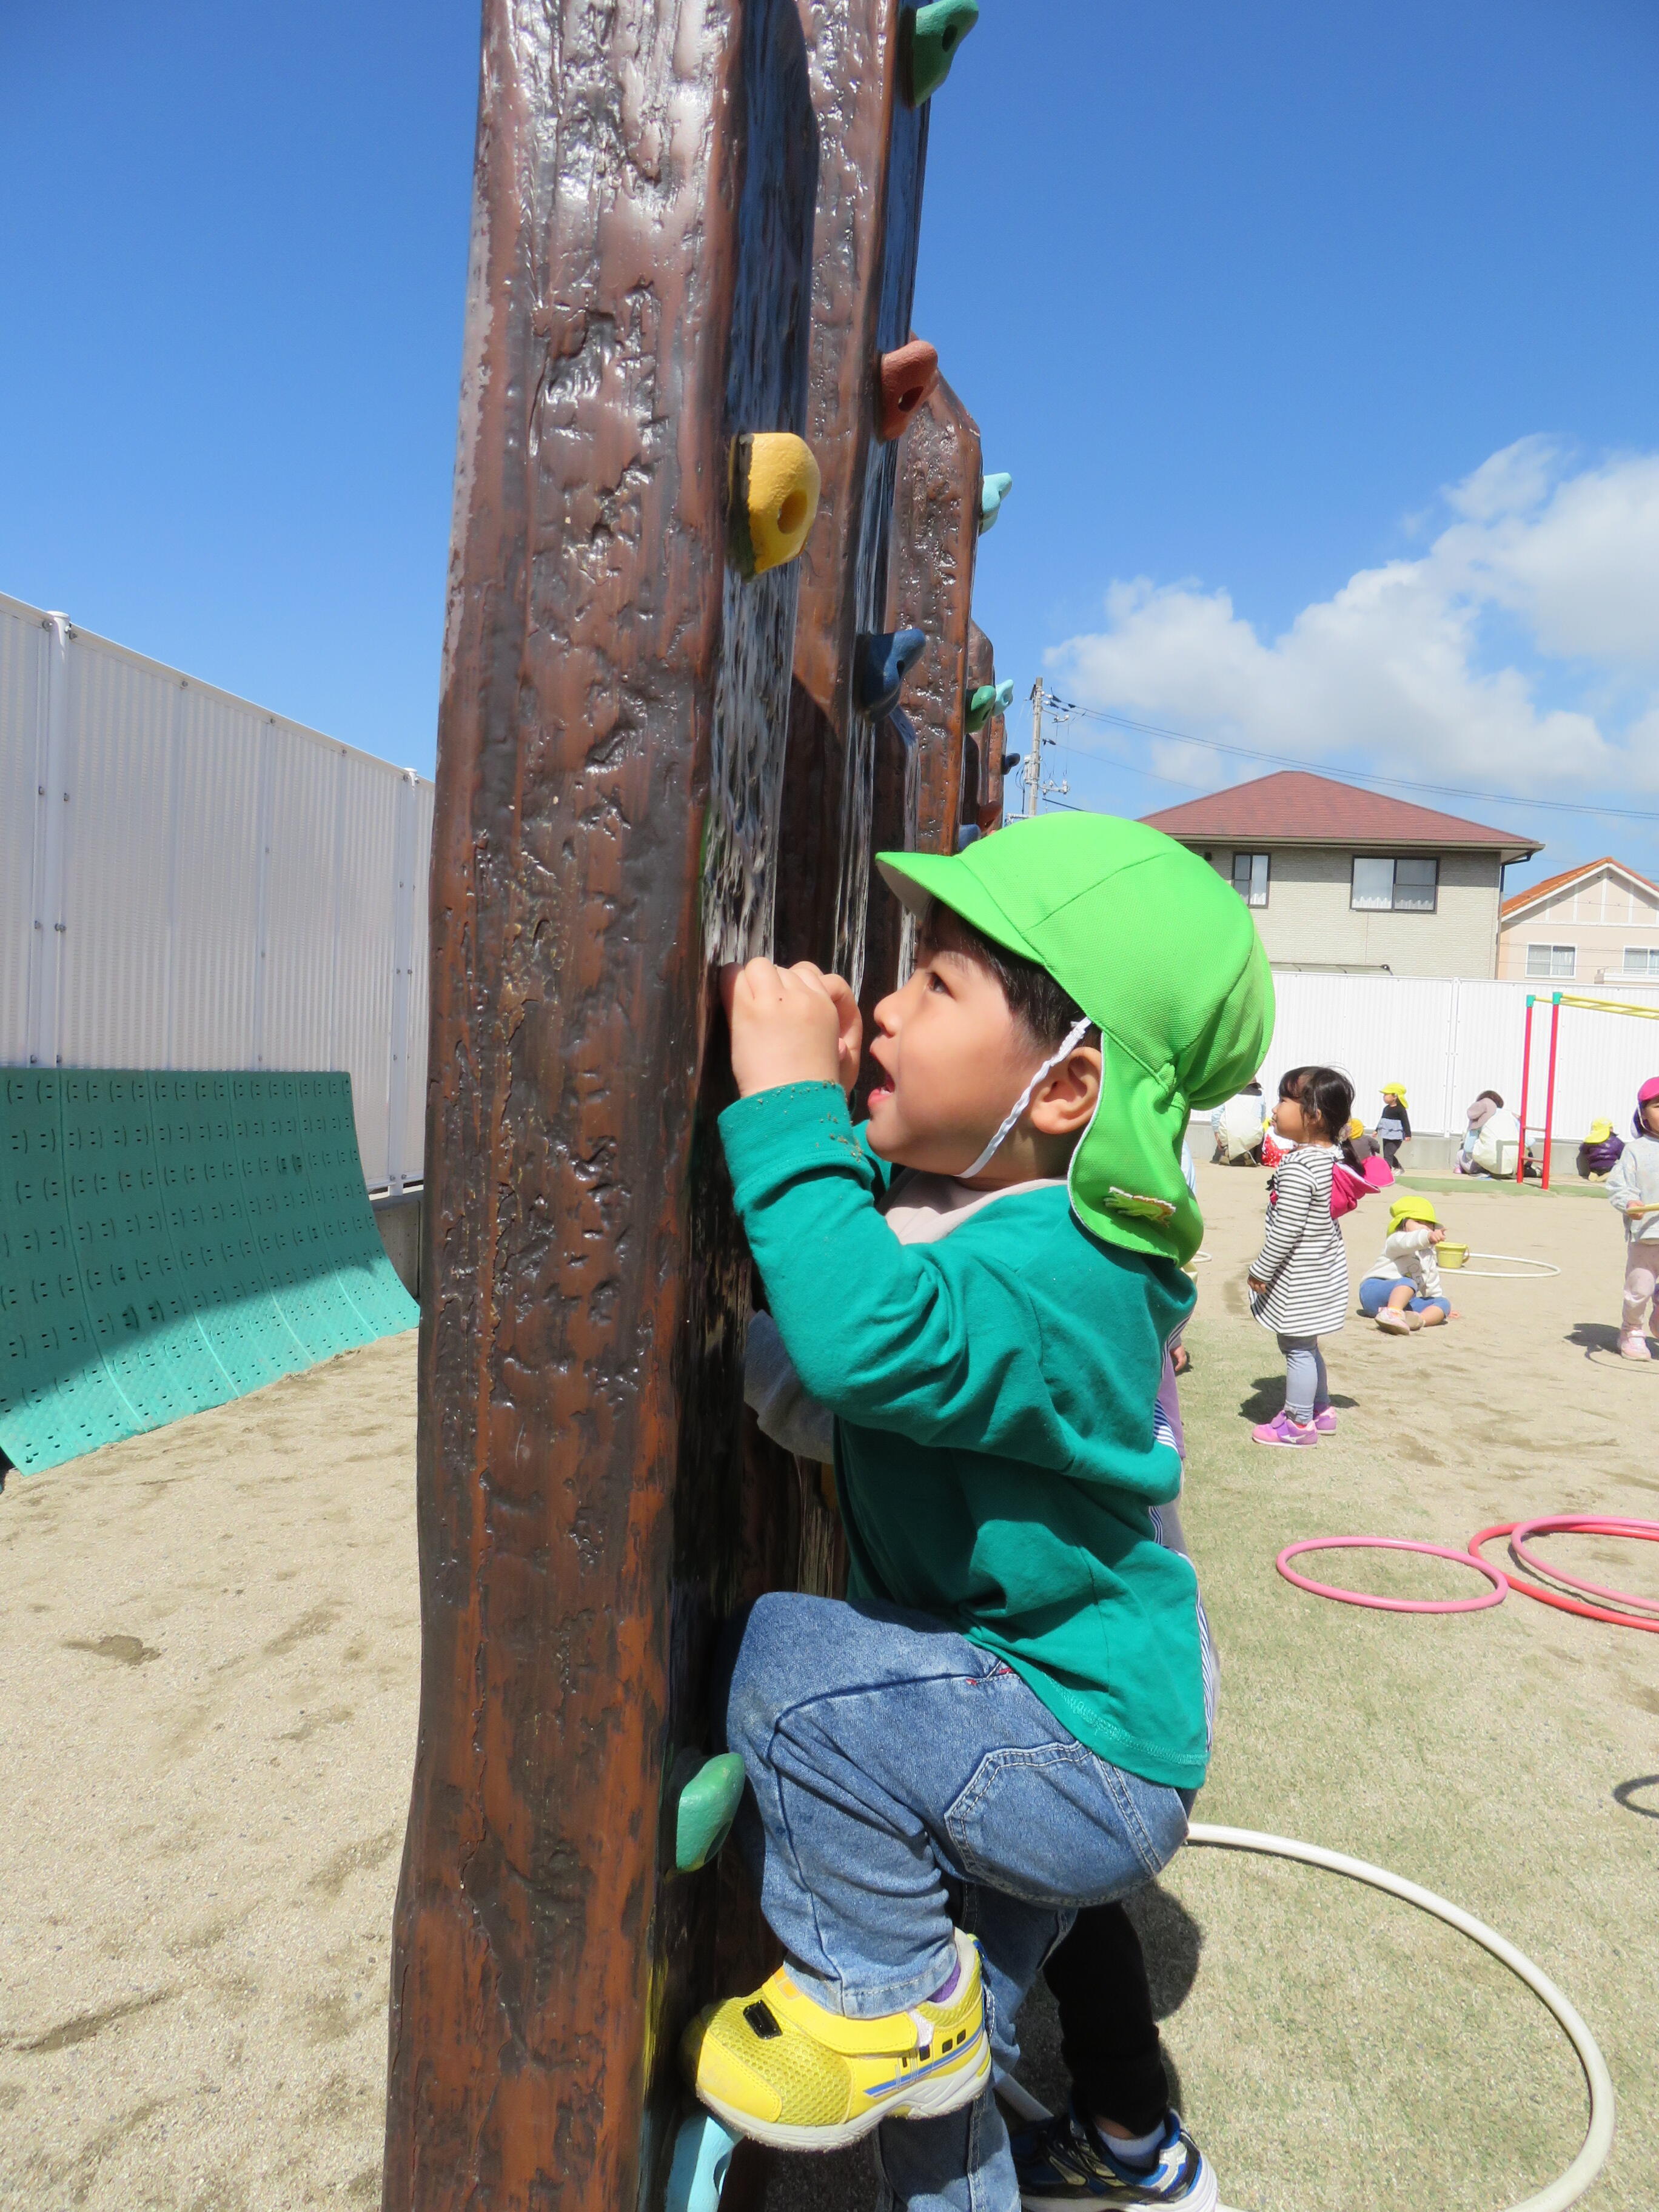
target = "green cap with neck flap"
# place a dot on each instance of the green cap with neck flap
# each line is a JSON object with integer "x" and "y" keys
{"x": 1161, "y": 954}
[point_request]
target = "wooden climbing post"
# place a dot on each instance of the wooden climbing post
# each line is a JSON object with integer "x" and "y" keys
{"x": 609, "y": 768}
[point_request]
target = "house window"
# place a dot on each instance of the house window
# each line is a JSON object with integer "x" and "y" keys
{"x": 1558, "y": 960}
{"x": 1641, "y": 960}
{"x": 1250, "y": 877}
{"x": 1394, "y": 886}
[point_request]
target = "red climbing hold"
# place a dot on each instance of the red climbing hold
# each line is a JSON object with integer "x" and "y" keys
{"x": 904, "y": 379}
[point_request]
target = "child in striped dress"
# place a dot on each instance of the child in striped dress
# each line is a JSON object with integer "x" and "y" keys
{"x": 1299, "y": 1282}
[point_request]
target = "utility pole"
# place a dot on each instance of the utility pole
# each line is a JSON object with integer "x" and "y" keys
{"x": 1034, "y": 759}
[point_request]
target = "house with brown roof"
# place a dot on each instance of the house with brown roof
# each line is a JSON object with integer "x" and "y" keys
{"x": 1596, "y": 924}
{"x": 1348, "y": 882}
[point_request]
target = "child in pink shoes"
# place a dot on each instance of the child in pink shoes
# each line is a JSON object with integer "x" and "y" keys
{"x": 1298, "y": 1283}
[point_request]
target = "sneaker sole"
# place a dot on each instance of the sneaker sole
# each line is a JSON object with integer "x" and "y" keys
{"x": 926, "y": 2100}
{"x": 1204, "y": 2195}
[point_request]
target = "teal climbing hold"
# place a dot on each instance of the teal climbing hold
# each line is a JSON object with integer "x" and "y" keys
{"x": 708, "y": 1805}
{"x": 703, "y": 2157}
{"x": 928, "y": 39}
{"x": 989, "y": 699}
{"x": 993, "y": 491}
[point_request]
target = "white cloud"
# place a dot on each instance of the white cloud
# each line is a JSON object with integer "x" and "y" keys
{"x": 1397, "y": 670}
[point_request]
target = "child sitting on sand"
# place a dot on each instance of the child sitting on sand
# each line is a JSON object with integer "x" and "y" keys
{"x": 1006, "y": 1720}
{"x": 1402, "y": 1288}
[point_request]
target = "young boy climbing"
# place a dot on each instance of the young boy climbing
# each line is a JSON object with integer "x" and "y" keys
{"x": 1005, "y": 1719}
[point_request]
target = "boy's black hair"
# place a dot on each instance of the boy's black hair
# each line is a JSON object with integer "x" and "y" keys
{"x": 1493, "y": 1095}
{"x": 1048, "y": 1012}
{"x": 1322, "y": 1092}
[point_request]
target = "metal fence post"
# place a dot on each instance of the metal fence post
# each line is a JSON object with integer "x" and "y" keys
{"x": 404, "y": 872}
{"x": 51, "y": 833}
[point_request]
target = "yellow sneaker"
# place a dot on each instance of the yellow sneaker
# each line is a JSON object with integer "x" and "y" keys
{"x": 780, "y": 2068}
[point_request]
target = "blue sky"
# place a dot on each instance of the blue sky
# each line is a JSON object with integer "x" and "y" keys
{"x": 1319, "y": 342}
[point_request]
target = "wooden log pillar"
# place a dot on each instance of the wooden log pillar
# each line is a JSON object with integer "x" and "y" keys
{"x": 982, "y": 779}
{"x": 872, "y": 155}
{"x": 610, "y": 769}
{"x": 918, "y": 753}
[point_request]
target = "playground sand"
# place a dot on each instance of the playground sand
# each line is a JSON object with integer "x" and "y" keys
{"x": 207, "y": 1675}
{"x": 208, "y": 1662}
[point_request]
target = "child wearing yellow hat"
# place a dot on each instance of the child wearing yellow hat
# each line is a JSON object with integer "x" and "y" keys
{"x": 1393, "y": 1123}
{"x": 1402, "y": 1290}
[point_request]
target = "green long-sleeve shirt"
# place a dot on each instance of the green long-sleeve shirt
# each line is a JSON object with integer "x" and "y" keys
{"x": 994, "y": 1447}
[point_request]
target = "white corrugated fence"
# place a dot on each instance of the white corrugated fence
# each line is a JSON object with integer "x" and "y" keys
{"x": 1449, "y": 1041}
{"x": 189, "y": 881}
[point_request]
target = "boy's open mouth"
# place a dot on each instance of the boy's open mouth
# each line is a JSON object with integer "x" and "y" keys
{"x": 878, "y": 1095}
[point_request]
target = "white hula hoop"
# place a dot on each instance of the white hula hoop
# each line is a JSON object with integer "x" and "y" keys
{"x": 1568, "y": 2187}
{"x": 1545, "y": 1269}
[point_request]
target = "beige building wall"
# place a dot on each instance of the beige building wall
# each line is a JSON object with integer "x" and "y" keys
{"x": 1308, "y": 917}
{"x": 1600, "y": 916}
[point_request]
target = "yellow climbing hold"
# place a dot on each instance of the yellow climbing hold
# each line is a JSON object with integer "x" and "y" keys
{"x": 774, "y": 499}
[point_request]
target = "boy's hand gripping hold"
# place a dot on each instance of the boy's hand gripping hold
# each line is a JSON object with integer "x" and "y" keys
{"x": 791, "y": 1025}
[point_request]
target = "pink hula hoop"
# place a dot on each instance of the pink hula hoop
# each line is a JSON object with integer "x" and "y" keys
{"x": 1579, "y": 1524}
{"x": 1495, "y": 1596}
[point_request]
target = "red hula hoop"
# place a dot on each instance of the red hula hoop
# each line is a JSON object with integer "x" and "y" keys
{"x": 1551, "y": 1597}
{"x": 1495, "y": 1596}
{"x": 1579, "y": 1524}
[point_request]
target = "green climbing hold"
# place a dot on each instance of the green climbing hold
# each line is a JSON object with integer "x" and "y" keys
{"x": 993, "y": 491}
{"x": 708, "y": 1805}
{"x": 928, "y": 39}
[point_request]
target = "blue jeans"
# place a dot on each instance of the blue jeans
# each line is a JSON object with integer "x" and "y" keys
{"x": 1375, "y": 1291}
{"x": 893, "y": 1763}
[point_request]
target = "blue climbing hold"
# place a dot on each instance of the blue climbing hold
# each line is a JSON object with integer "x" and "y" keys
{"x": 702, "y": 2154}
{"x": 992, "y": 493}
{"x": 883, "y": 660}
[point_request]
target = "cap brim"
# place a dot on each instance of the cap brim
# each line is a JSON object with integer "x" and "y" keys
{"x": 916, "y": 879}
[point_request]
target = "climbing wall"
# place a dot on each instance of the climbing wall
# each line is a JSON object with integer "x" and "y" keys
{"x": 987, "y": 746}
{"x": 168, "y": 1242}
{"x": 936, "y": 524}
{"x": 658, "y": 746}
{"x": 610, "y": 769}
{"x": 873, "y": 147}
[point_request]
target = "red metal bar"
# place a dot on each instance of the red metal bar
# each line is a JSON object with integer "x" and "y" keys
{"x": 1549, "y": 1096}
{"x": 1526, "y": 1081}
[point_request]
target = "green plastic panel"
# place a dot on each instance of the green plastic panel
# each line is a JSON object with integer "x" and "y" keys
{"x": 168, "y": 1242}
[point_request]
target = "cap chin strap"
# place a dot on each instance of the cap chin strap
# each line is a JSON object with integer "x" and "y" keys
{"x": 1074, "y": 1037}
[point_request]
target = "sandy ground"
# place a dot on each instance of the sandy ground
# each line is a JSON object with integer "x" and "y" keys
{"x": 208, "y": 1662}
{"x": 208, "y": 1659}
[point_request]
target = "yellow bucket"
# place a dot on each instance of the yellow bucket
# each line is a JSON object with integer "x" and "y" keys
{"x": 1451, "y": 1256}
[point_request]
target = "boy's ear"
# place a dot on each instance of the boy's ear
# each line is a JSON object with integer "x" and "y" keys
{"x": 1065, "y": 1098}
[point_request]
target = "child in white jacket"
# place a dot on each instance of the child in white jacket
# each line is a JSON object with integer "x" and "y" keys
{"x": 1402, "y": 1290}
{"x": 1633, "y": 1187}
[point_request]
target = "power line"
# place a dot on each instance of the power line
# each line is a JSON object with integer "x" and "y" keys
{"x": 1323, "y": 767}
